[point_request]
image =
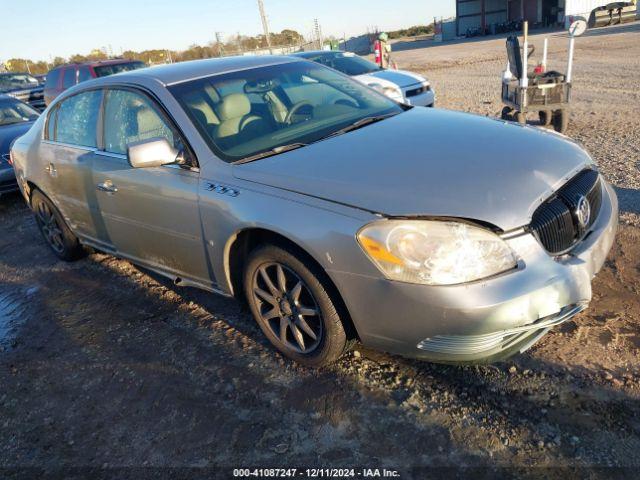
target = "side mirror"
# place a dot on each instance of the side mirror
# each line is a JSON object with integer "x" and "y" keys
{"x": 154, "y": 152}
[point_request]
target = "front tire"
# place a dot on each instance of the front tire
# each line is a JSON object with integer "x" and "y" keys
{"x": 291, "y": 303}
{"x": 54, "y": 229}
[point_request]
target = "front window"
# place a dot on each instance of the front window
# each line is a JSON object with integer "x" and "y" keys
{"x": 132, "y": 117}
{"x": 347, "y": 63}
{"x": 105, "y": 70}
{"x": 245, "y": 113}
{"x": 13, "y": 111}
{"x": 16, "y": 81}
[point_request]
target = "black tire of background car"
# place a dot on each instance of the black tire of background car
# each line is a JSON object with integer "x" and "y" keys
{"x": 69, "y": 248}
{"x": 560, "y": 120}
{"x": 333, "y": 342}
{"x": 545, "y": 117}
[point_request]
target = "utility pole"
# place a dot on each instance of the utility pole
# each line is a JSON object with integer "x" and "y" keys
{"x": 318, "y": 33}
{"x": 265, "y": 25}
{"x": 219, "y": 43}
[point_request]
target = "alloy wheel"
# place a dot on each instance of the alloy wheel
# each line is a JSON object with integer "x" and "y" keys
{"x": 50, "y": 227}
{"x": 287, "y": 307}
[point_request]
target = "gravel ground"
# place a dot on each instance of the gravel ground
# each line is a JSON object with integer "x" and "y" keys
{"x": 106, "y": 365}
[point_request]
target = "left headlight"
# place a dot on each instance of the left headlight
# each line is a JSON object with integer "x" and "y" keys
{"x": 388, "y": 90}
{"x": 431, "y": 252}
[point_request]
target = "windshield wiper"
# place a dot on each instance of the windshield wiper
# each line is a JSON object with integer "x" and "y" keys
{"x": 270, "y": 153}
{"x": 363, "y": 122}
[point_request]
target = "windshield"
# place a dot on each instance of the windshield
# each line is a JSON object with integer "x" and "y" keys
{"x": 345, "y": 62}
{"x": 13, "y": 111}
{"x": 244, "y": 113}
{"x": 16, "y": 81}
{"x": 105, "y": 70}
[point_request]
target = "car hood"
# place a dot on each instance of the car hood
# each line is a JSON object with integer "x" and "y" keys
{"x": 400, "y": 77}
{"x": 10, "y": 132}
{"x": 427, "y": 162}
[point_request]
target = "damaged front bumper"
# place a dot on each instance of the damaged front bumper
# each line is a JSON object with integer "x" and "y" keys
{"x": 487, "y": 320}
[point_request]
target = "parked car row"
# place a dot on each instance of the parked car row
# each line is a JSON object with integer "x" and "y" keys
{"x": 334, "y": 212}
{"x": 23, "y": 86}
{"x": 16, "y": 118}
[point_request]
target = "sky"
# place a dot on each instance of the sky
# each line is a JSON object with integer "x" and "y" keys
{"x": 43, "y": 29}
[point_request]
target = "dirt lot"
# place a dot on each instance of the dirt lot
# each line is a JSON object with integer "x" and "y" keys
{"x": 102, "y": 364}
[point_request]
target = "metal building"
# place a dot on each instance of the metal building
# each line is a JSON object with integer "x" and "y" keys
{"x": 485, "y": 15}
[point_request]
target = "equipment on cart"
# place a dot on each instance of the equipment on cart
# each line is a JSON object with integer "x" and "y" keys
{"x": 546, "y": 92}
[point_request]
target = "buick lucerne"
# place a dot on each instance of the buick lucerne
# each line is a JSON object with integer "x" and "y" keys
{"x": 336, "y": 213}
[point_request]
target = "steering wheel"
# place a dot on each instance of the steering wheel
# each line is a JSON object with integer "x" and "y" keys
{"x": 294, "y": 110}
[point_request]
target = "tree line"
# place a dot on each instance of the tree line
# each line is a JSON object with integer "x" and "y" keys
{"x": 236, "y": 44}
{"x": 233, "y": 45}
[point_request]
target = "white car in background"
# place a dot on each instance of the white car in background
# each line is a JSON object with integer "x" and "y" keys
{"x": 399, "y": 85}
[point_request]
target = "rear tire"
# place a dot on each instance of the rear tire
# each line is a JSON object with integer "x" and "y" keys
{"x": 561, "y": 120}
{"x": 506, "y": 113}
{"x": 293, "y": 307}
{"x": 545, "y": 117}
{"x": 54, "y": 229}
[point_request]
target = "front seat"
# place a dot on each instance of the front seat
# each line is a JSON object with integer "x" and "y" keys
{"x": 234, "y": 112}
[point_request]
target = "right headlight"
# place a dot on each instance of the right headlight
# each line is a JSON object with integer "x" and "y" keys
{"x": 431, "y": 252}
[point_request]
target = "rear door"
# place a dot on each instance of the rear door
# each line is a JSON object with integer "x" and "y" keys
{"x": 151, "y": 214}
{"x": 68, "y": 150}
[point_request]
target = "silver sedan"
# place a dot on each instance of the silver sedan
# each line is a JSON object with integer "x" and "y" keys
{"x": 334, "y": 212}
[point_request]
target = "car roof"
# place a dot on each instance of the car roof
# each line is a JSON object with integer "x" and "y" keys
{"x": 96, "y": 63}
{"x": 314, "y": 53}
{"x": 192, "y": 70}
{"x": 2, "y": 74}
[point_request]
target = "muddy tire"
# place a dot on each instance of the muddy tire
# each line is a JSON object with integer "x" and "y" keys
{"x": 54, "y": 229}
{"x": 290, "y": 301}
{"x": 560, "y": 120}
{"x": 545, "y": 117}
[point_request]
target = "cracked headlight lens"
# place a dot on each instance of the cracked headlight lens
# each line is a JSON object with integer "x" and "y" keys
{"x": 435, "y": 252}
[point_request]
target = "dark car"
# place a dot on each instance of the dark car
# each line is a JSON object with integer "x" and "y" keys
{"x": 16, "y": 118}
{"x": 66, "y": 76}
{"x": 24, "y": 87}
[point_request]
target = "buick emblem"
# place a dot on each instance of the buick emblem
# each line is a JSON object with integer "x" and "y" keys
{"x": 583, "y": 211}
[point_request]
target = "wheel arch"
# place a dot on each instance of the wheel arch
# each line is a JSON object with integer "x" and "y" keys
{"x": 240, "y": 245}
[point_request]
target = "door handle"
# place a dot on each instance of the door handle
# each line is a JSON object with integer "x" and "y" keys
{"x": 107, "y": 187}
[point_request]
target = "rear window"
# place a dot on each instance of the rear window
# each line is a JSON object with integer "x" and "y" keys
{"x": 105, "y": 70}
{"x": 77, "y": 118}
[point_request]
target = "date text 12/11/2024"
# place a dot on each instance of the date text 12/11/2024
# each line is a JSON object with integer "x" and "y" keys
{"x": 315, "y": 473}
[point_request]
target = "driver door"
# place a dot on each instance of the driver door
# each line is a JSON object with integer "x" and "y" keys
{"x": 151, "y": 215}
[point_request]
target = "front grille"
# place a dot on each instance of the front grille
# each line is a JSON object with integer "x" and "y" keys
{"x": 556, "y": 222}
{"x": 417, "y": 91}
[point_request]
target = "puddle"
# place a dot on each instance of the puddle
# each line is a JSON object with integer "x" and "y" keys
{"x": 13, "y": 308}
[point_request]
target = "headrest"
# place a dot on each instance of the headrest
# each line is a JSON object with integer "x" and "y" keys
{"x": 235, "y": 105}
